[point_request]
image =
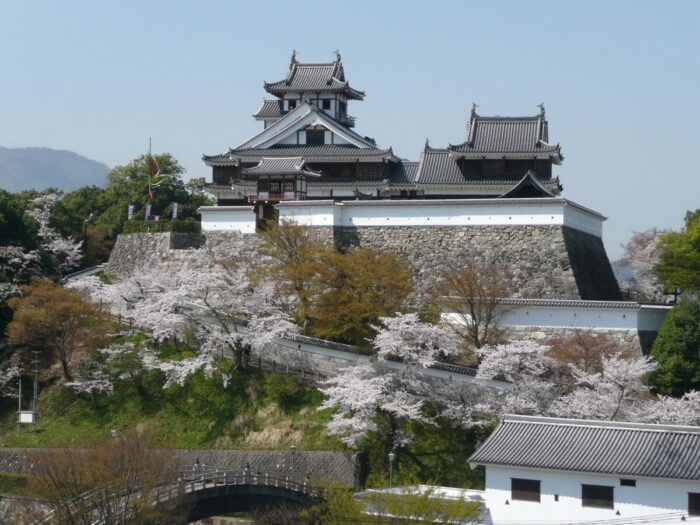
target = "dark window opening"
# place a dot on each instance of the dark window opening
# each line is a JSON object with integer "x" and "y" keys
{"x": 314, "y": 137}
{"x": 525, "y": 489}
{"x": 292, "y": 104}
{"x": 598, "y": 496}
{"x": 556, "y": 497}
{"x": 326, "y": 103}
{"x": 342, "y": 108}
{"x": 694, "y": 503}
{"x": 628, "y": 482}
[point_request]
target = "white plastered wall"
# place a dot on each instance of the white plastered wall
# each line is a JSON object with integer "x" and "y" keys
{"x": 228, "y": 218}
{"x": 650, "y": 497}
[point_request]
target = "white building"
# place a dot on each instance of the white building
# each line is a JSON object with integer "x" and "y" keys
{"x": 546, "y": 470}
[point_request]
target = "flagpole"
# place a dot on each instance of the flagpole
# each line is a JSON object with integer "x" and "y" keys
{"x": 148, "y": 164}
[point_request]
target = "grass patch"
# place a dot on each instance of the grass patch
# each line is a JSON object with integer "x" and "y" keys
{"x": 252, "y": 412}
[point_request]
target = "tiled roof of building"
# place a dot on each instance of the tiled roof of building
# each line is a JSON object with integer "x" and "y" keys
{"x": 324, "y": 183}
{"x": 322, "y": 77}
{"x": 529, "y": 186}
{"x": 600, "y": 447}
{"x": 269, "y": 109}
{"x": 279, "y": 166}
{"x": 510, "y": 137}
{"x": 437, "y": 167}
{"x": 325, "y": 153}
{"x": 403, "y": 174}
{"x": 303, "y": 115}
{"x": 572, "y": 303}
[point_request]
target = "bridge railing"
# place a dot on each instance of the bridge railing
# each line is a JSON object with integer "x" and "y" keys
{"x": 196, "y": 478}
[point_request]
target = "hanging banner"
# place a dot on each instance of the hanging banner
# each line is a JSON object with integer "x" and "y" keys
{"x": 147, "y": 213}
{"x": 156, "y": 218}
{"x": 130, "y": 211}
{"x": 174, "y": 210}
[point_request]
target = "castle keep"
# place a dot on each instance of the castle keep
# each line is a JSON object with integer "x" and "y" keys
{"x": 491, "y": 199}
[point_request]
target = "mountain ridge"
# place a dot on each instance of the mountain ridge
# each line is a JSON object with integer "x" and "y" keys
{"x": 42, "y": 167}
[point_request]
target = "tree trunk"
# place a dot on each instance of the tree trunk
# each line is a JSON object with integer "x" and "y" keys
{"x": 66, "y": 371}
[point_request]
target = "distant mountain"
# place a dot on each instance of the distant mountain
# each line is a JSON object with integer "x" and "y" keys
{"x": 40, "y": 168}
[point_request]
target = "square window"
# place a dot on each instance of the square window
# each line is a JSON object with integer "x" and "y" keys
{"x": 599, "y": 496}
{"x": 525, "y": 489}
{"x": 315, "y": 137}
{"x": 693, "y": 503}
{"x": 326, "y": 103}
{"x": 628, "y": 482}
{"x": 291, "y": 104}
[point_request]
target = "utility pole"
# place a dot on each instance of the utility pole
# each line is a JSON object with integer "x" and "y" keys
{"x": 19, "y": 406}
{"x": 36, "y": 388}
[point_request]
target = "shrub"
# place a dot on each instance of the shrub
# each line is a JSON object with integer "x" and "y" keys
{"x": 677, "y": 350}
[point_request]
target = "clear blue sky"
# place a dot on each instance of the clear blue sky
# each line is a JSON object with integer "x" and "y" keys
{"x": 620, "y": 81}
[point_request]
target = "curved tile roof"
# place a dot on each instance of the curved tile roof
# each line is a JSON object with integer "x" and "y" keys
{"x": 269, "y": 109}
{"x": 308, "y": 77}
{"x": 279, "y": 166}
{"x": 600, "y": 447}
{"x": 512, "y": 137}
{"x": 323, "y": 153}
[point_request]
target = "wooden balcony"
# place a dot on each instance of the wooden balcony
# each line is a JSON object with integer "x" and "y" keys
{"x": 345, "y": 120}
{"x": 286, "y": 196}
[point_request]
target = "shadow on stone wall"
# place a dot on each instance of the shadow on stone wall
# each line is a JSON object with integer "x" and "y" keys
{"x": 592, "y": 270}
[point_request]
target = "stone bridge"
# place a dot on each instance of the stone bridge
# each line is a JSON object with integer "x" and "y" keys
{"x": 203, "y": 492}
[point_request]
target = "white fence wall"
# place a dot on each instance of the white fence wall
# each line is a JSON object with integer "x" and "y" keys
{"x": 465, "y": 212}
{"x": 227, "y": 218}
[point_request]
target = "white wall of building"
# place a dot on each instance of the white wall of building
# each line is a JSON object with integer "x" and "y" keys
{"x": 310, "y": 213}
{"x": 487, "y": 212}
{"x": 227, "y": 218}
{"x": 651, "y": 497}
{"x": 633, "y": 318}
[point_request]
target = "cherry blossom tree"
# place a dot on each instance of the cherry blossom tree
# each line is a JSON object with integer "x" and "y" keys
{"x": 611, "y": 394}
{"x": 91, "y": 378}
{"x": 16, "y": 264}
{"x": 642, "y": 255}
{"x": 361, "y": 394}
{"x": 68, "y": 252}
{"x": 529, "y": 370}
{"x": 212, "y": 305}
{"x": 614, "y": 390}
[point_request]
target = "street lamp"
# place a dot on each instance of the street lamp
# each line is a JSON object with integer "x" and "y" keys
{"x": 392, "y": 457}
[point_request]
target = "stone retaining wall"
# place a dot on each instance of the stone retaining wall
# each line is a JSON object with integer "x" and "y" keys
{"x": 630, "y": 340}
{"x": 552, "y": 262}
{"x": 342, "y": 468}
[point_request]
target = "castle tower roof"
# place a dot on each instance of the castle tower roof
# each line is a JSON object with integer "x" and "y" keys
{"x": 314, "y": 78}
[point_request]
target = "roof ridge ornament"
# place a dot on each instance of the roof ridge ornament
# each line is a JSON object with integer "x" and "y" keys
{"x": 541, "y": 106}
{"x": 337, "y": 55}
{"x": 473, "y": 111}
{"x": 427, "y": 143}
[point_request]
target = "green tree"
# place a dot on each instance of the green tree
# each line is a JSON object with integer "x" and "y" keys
{"x": 352, "y": 290}
{"x": 16, "y": 228}
{"x": 677, "y": 350}
{"x": 128, "y": 184}
{"x": 679, "y": 256}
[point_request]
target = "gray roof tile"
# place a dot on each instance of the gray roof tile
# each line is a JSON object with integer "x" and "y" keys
{"x": 332, "y": 153}
{"x": 269, "y": 109}
{"x": 329, "y": 76}
{"x": 512, "y": 137}
{"x": 601, "y": 447}
{"x": 279, "y": 166}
